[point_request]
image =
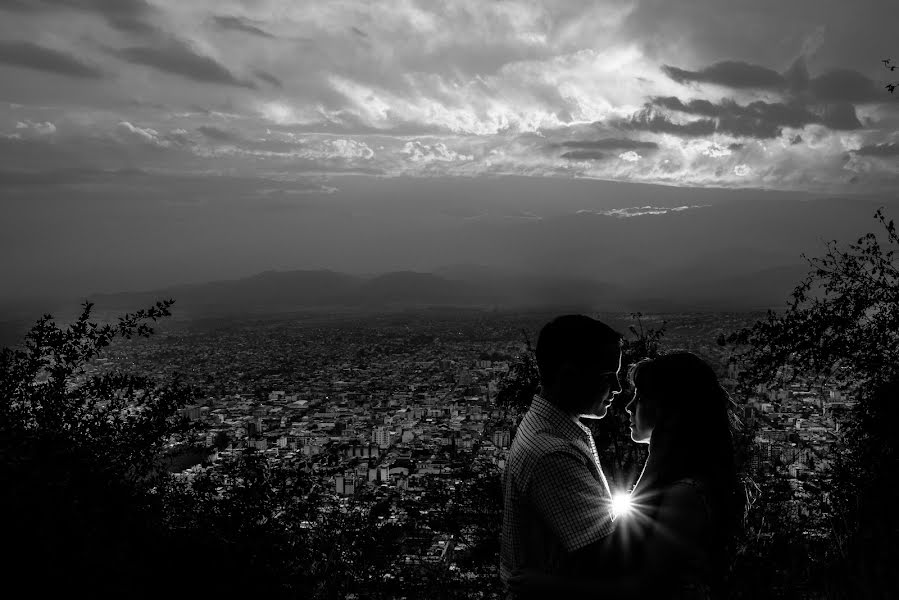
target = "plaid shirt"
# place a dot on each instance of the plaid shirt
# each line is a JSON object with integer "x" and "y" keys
{"x": 555, "y": 497}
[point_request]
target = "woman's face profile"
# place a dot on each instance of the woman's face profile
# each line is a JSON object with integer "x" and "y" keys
{"x": 642, "y": 418}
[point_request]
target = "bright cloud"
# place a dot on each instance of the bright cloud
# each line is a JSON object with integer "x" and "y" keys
{"x": 144, "y": 134}
{"x": 418, "y": 152}
{"x": 459, "y": 88}
{"x": 41, "y": 128}
{"x": 640, "y": 211}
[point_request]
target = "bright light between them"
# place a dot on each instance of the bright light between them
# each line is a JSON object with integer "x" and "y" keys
{"x": 621, "y": 504}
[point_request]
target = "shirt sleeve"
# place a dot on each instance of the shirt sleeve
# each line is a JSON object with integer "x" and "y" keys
{"x": 573, "y": 504}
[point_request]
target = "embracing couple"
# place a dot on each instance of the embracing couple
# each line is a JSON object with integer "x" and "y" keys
{"x": 560, "y": 534}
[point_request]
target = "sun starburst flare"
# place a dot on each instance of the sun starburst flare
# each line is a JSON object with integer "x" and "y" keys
{"x": 621, "y": 504}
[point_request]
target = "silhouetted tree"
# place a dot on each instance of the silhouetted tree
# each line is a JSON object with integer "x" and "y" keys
{"x": 78, "y": 459}
{"x": 518, "y": 387}
{"x": 89, "y": 508}
{"x": 842, "y": 326}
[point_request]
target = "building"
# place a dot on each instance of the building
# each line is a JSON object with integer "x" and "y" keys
{"x": 501, "y": 438}
{"x": 345, "y": 483}
{"x": 381, "y": 437}
{"x": 261, "y": 444}
{"x": 191, "y": 413}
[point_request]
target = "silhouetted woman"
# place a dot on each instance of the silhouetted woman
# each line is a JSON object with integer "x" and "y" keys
{"x": 688, "y": 501}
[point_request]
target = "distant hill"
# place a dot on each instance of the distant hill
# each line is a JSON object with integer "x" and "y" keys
{"x": 413, "y": 288}
{"x": 706, "y": 290}
{"x": 270, "y": 291}
{"x": 278, "y": 291}
{"x": 726, "y": 281}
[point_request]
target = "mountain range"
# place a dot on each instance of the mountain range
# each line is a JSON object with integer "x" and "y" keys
{"x": 462, "y": 286}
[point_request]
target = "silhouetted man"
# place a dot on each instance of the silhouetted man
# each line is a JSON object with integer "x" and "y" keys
{"x": 556, "y": 500}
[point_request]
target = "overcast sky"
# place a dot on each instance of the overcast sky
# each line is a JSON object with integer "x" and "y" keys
{"x": 129, "y": 111}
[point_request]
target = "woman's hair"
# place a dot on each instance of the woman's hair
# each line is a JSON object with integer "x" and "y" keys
{"x": 691, "y": 407}
{"x": 692, "y": 437}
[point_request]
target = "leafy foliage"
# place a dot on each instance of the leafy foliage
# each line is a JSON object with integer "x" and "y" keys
{"x": 842, "y": 327}
{"x": 522, "y": 381}
{"x": 90, "y": 507}
{"x": 843, "y": 317}
{"x": 78, "y": 455}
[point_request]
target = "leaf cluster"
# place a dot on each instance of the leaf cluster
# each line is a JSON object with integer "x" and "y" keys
{"x": 841, "y": 329}
{"x": 843, "y": 319}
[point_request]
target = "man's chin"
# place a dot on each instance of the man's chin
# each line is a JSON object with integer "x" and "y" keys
{"x": 597, "y": 413}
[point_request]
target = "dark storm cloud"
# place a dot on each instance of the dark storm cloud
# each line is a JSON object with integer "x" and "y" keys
{"x": 761, "y": 119}
{"x": 844, "y": 86}
{"x": 175, "y": 57}
{"x": 268, "y": 78}
{"x": 229, "y": 23}
{"x": 245, "y": 143}
{"x": 19, "y": 5}
{"x": 132, "y": 16}
{"x": 12, "y": 178}
{"x": 758, "y": 119}
{"x": 836, "y": 86}
{"x": 734, "y": 74}
{"x": 766, "y": 32}
{"x": 840, "y": 116}
{"x": 219, "y": 135}
{"x": 649, "y": 120}
{"x": 25, "y": 154}
{"x": 40, "y": 58}
{"x": 182, "y": 186}
{"x": 610, "y": 144}
{"x": 888, "y": 149}
{"x": 586, "y": 155}
{"x": 127, "y": 15}
{"x": 797, "y": 76}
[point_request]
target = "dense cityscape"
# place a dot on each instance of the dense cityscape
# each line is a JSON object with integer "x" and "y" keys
{"x": 398, "y": 410}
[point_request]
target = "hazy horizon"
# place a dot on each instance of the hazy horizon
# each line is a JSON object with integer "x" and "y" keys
{"x": 147, "y": 144}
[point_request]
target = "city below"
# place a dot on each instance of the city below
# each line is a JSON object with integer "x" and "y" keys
{"x": 398, "y": 408}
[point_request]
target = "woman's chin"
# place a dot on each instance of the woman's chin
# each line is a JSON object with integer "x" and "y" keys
{"x": 637, "y": 438}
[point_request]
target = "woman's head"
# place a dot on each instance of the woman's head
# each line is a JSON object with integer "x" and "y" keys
{"x": 677, "y": 394}
{"x": 682, "y": 411}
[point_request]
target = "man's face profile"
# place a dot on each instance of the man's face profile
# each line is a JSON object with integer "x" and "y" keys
{"x": 601, "y": 384}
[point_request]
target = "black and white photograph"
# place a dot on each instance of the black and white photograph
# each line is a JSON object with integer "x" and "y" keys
{"x": 449, "y": 299}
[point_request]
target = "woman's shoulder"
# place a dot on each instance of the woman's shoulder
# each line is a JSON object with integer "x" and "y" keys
{"x": 690, "y": 495}
{"x": 697, "y": 486}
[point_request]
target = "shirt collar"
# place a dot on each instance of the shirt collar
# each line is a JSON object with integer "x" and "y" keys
{"x": 565, "y": 423}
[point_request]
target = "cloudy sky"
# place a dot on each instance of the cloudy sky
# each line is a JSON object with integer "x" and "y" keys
{"x": 149, "y": 120}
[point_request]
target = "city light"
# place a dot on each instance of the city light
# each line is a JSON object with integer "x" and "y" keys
{"x": 621, "y": 504}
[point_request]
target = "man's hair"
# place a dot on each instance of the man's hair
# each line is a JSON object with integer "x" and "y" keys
{"x": 575, "y": 340}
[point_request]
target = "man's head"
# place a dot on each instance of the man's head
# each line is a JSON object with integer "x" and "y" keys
{"x": 579, "y": 359}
